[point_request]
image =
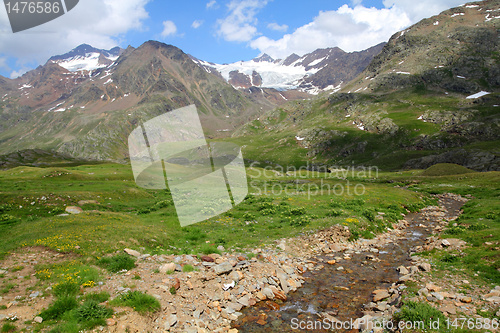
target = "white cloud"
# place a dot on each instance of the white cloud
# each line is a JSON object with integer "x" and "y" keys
{"x": 277, "y": 27}
{"x": 196, "y": 24}
{"x": 240, "y": 24}
{"x": 17, "y": 73}
{"x": 169, "y": 29}
{"x": 418, "y": 10}
{"x": 351, "y": 29}
{"x": 100, "y": 23}
{"x": 212, "y": 4}
{"x": 3, "y": 63}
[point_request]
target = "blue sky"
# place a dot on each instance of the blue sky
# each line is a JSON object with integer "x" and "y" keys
{"x": 221, "y": 31}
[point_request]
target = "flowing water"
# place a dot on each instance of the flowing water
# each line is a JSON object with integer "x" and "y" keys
{"x": 342, "y": 293}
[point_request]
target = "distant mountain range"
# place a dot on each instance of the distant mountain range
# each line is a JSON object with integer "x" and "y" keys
{"x": 322, "y": 70}
{"x": 432, "y": 95}
{"x": 394, "y": 102}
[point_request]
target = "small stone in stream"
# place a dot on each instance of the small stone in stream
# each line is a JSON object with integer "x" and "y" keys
{"x": 131, "y": 252}
{"x": 207, "y": 259}
{"x": 262, "y": 319}
{"x": 278, "y": 294}
{"x": 380, "y": 294}
{"x": 38, "y": 319}
{"x": 222, "y": 268}
{"x": 331, "y": 262}
{"x": 340, "y": 268}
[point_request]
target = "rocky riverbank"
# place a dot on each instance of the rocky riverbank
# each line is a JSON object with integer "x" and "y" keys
{"x": 213, "y": 296}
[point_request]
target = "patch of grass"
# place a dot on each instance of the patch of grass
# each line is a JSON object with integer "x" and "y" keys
{"x": 66, "y": 288}
{"x": 445, "y": 169}
{"x": 90, "y": 314}
{"x": 140, "y": 302}
{"x": 16, "y": 268}
{"x": 209, "y": 249}
{"x": 60, "y": 306}
{"x": 98, "y": 297}
{"x": 8, "y": 287}
{"x": 420, "y": 312}
{"x": 187, "y": 268}
{"x": 8, "y": 327}
{"x": 117, "y": 263}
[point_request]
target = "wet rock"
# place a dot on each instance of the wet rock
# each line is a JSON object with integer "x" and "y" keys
{"x": 131, "y": 252}
{"x": 380, "y": 294}
{"x": 278, "y": 294}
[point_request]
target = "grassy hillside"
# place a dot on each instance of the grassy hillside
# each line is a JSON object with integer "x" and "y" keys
{"x": 390, "y": 130}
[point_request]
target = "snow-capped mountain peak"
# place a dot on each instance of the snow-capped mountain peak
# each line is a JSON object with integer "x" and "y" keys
{"x": 86, "y": 58}
{"x": 313, "y": 72}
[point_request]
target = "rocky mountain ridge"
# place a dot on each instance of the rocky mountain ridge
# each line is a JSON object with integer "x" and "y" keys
{"x": 322, "y": 70}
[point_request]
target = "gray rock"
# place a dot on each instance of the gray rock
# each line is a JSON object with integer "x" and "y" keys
{"x": 222, "y": 268}
{"x": 438, "y": 296}
{"x": 244, "y": 300}
{"x": 34, "y": 294}
{"x": 171, "y": 321}
{"x": 235, "y": 306}
{"x": 283, "y": 282}
{"x": 234, "y": 276}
